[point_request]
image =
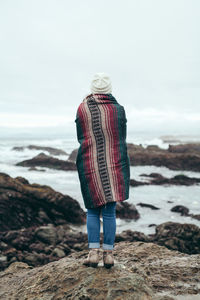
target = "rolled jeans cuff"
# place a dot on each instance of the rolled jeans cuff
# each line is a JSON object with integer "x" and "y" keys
{"x": 94, "y": 245}
{"x": 108, "y": 247}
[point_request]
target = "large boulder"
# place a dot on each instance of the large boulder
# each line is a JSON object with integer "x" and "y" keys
{"x": 23, "y": 204}
{"x": 142, "y": 271}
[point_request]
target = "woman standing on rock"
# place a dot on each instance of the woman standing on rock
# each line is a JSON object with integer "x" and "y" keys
{"x": 103, "y": 165}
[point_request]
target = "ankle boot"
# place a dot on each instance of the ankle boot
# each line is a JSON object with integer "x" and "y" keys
{"x": 108, "y": 259}
{"x": 93, "y": 258}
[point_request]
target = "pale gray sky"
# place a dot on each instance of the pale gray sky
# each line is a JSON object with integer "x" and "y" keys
{"x": 50, "y": 49}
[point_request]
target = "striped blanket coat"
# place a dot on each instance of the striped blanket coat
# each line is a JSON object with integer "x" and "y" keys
{"x": 102, "y": 161}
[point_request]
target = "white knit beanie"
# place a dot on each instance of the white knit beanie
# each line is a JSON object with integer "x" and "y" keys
{"x": 101, "y": 84}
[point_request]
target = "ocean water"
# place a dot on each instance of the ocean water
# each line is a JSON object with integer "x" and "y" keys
{"x": 67, "y": 182}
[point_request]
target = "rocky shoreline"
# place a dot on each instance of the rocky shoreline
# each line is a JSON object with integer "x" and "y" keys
{"x": 37, "y": 225}
{"x": 180, "y": 157}
{"x": 41, "y": 238}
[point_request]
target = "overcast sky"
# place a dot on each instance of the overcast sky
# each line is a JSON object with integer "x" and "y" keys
{"x": 50, "y": 49}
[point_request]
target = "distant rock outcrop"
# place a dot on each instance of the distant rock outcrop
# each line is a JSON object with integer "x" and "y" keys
{"x": 185, "y": 148}
{"x": 153, "y": 155}
{"x": 180, "y": 157}
{"x": 142, "y": 271}
{"x": 51, "y": 150}
{"x": 43, "y": 160}
{"x": 158, "y": 179}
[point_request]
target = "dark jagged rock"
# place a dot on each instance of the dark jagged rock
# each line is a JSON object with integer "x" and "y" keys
{"x": 184, "y": 211}
{"x": 43, "y": 160}
{"x": 176, "y": 180}
{"x": 23, "y": 205}
{"x": 40, "y": 245}
{"x": 181, "y": 237}
{"x": 148, "y": 205}
{"x": 125, "y": 210}
{"x": 51, "y": 150}
{"x": 158, "y": 179}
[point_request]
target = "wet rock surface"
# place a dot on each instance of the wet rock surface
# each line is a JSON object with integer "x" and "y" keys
{"x": 142, "y": 271}
{"x": 47, "y": 161}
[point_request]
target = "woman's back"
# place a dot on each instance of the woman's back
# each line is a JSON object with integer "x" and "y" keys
{"x": 102, "y": 160}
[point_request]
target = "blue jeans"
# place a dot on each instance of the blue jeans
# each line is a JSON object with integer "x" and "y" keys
{"x": 109, "y": 225}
